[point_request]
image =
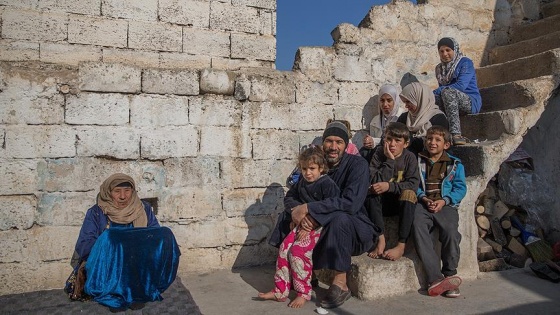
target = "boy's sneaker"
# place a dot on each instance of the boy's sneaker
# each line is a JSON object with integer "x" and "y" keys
{"x": 452, "y": 293}
{"x": 460, "y": 140}
{"x": 445, "y": 284}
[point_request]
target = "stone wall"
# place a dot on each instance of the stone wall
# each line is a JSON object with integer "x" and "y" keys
{"x": 181, "y": 96}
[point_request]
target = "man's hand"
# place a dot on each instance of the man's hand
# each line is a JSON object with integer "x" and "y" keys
{"x": 387, "y": 152}
{"x": 298, "y": 213}
{"x": 379, "y": 188}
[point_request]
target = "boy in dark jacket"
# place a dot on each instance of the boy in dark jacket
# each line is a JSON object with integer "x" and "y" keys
{"x": 394, "y": 181}
{"x": 442, "y": 188}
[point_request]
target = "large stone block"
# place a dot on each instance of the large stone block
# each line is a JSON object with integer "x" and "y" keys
{"x": 352, "y": 68}
{"x": 249, "y": 230}
{"x": 196, "y": 234}
{"x": 17, "y": 212}
{"x": 272, "y": 87}
{"x": 251, "y": 202}
{"x": 236, "y": 64}
{"x": 214, "y": 111}
{"x": 282, "y": 116}
{"x": 97, "y": 31}
{"x": 244, "y": 173}
{"x": 115, "y": 142}
{"x": 107, "y": 77}
{"x": 12, "y": 50}
{"x": 265, "y": 4}
{"x": 149, "y": 111}
{"x": 193, "y": 172}
{"x": 167, "y": 81}
{"x": 260, "y": 47}
{"x": 190, "y": 203}
{"x": 225, "y": 141}
{"x": 316, "y": 63}
{"x": 20, "y": 177}
{"x": 169, "y": 142}
{"x": 191, "y": 13}
{"x": 33, "y": 276}
{"x": 34, "y": 26}
{"x": 224, "y": 16}
{"x": 184, "y": 61}
{"x": 85, "y": 7}
{"x": 30, "y": 4}
{"x": 25, "y": 101}
{"x": 69, "y": 54}
{"x": 275, "y": 144}
{"x": 214, "y": 81}
{"x": 346, "y": 33}
{"x": 86, "y": 174}
{"x": 316, "y": 92}
{"x": 146, "y": 10}
{"x": 64, "y": 208}
{"x": 97, "y": 109}
{"x": 13, "y": 250}
{"x": 206, "y": 42}
{"x": 155, "y": 36}
{"x": 267, "y": 23}
{"x": 40, "y": 141}
{"x": 51, "y": 243}
{"x": 144, "y": 59}
{"x": 356, "y": 93}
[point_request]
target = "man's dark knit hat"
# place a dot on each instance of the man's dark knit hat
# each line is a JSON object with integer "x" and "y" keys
{"x": 336, "y": 128}
{"x": 446, "y": 41}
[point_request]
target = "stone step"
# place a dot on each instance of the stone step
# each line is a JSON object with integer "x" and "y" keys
{"x": 474, "y": 156}
{"x": 550, "y": 9}
{"x": 525, "y": 48}
{"x": 512, "y": 94}
{"x": 535, "y": 29}
{"x": 546, "y": 63}
{"x": 484, "y": 126}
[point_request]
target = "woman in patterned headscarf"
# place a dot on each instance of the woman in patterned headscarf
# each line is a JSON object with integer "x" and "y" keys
{"x": 130, "y": 258}
{"x": 458, "y": 92}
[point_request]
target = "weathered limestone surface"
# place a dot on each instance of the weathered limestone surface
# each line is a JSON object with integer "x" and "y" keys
{"x": 183, "y": 96}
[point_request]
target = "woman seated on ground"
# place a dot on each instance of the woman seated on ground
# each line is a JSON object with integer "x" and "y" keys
{"x": 458, "y": 92}
{"x": 389, "y": 110}
{"x": 422, "y": 113}
{"x": 130, "y": 258}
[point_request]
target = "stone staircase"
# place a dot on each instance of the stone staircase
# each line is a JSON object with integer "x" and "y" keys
{"x": 522, "y": 77}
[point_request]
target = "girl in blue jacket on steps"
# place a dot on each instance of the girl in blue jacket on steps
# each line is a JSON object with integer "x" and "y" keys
{"x": 458, "y": 92}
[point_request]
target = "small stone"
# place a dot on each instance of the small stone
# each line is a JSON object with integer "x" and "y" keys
{"x": 64, "y": 89}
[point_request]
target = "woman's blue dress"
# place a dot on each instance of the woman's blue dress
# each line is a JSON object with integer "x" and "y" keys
{"x": 129, "y": 265}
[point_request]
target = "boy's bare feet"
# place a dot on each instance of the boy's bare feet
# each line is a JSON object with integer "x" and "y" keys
{"x": 378, "y": 251}
{"x": 395, "y": 253}
{"x": 270, "y": 296}
{"x": 297, "y": 302}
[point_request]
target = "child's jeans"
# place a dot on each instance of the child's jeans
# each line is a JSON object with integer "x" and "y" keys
{"x": 295, "y": 263}
{"x": 447, "y": 222}
{"x": 389, "y": 204}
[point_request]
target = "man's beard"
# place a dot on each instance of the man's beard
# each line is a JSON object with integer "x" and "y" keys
{"x": 333, "y": 160}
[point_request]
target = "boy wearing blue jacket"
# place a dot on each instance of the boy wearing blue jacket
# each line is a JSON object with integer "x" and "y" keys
{"x": 442, "y": 187}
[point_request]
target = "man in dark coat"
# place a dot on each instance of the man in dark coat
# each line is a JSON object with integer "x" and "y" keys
{"x": 347, "y": 230}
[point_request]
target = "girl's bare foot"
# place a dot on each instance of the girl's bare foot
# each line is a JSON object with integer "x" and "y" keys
{"x": 297, "y": 302}
{"x": 394, "y": 253}
{"x": 378, "y": 251}
{"x": 270, "y": 296}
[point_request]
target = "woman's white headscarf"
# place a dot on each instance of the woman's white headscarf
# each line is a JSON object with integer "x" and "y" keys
{"x": 381, "y": 120}
{"x": 422, "y": 96}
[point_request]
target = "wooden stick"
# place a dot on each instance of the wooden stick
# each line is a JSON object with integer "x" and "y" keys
{"x": 500, "y": 209}
{"x": 497, "y": 232}
{"x": 483, "y": 222}
{"x": 514, "y": 232}
{"x": 479, "y": 209}
{"x": 482, "y": 233}
{"x": 505, "y": 223}
{"x": 497, "y": 247}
